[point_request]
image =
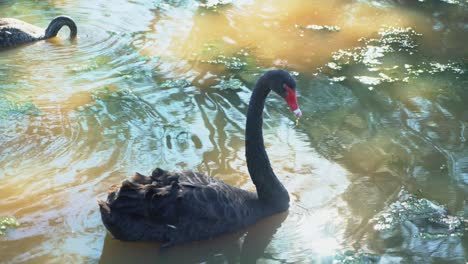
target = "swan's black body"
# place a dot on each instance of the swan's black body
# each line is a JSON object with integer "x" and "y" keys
{"x": 187, "y": 206}
{"x": 14, "y": 32}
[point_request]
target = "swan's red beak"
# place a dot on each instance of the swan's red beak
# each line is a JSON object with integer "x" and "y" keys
{"x": 291, "y": 99}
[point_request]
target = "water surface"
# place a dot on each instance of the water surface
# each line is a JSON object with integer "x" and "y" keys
{"x": 377, "y": 168}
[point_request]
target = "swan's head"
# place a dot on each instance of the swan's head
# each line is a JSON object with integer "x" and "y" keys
{"x": 282, "y": 83}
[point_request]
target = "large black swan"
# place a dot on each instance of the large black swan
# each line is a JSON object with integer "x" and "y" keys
{"x": 14, "y": 32}
{"x": 177, "y": 207}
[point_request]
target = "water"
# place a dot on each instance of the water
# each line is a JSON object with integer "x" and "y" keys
{"x": 377, "y": 168}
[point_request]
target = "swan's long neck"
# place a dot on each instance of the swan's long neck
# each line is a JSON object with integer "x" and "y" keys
{"x": 269, "y": 188}
{"x": 57, "y": 23}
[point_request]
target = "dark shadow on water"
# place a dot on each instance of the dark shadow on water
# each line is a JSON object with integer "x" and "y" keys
{"x": 245, "y": 246}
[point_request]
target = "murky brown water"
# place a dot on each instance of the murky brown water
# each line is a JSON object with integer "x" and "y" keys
{"x": 377, "y": 168}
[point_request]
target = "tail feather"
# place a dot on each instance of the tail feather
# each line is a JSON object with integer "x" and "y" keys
{"x": 103, "y": 207}
{"x": 153, "y": 197}
{"x": 143, "y": 208}
{"x": 141, "y": 179}
{"x": 158, "y": 172}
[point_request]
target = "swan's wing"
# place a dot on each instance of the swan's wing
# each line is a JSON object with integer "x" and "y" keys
{"x": 180, "y": 199}
{"x": 213, "y": 201}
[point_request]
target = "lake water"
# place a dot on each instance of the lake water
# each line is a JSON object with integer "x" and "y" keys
{"x": 377, "y": 168}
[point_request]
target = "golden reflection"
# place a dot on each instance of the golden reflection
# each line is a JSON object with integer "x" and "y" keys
{"x": 275, "y": 32}
{"x": 54, "y": 165}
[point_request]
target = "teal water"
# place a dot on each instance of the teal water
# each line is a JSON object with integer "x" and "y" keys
{"x": 377, "y": 168}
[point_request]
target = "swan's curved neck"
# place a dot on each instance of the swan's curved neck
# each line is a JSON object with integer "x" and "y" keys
{"x": 57, "y": 23}
{"x": 269, "y": 188}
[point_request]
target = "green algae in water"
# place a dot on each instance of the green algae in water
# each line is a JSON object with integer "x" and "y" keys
{"x": 377, "y": 60}
{"x": 92, "y": 65}
{"x": 391, "y": 39}
{"x": 7, "y": 222}
{"x": 351, "y": 257}
{"x": 214, "y": 5}
{"x": 173, "y": 83}
{"x": 436, "y": 67}
{"x": 410, "y": 208}
{"x": 213, "y": 47}
{"x": 9, "y": 108}
{"x": 240, "y": 59}
{"x": 229, "y": 84}
{"x": 398, "y": 38}
{"x": 452, "y": 2}
{"x": 232, "y": 63}
{"x": 322, "y": 28}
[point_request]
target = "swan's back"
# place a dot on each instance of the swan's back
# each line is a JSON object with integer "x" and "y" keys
{"x": 177, "y": 207}
{"x": 14, "y": 32}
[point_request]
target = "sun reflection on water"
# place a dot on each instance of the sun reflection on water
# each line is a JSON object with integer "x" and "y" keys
{"x": 167, "y": 83}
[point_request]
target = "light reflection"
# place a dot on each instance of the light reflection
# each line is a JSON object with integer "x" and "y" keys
{"x": 318, "y": 233}
{"x": 88, "y": 134}
{"x": 184, "y": 34}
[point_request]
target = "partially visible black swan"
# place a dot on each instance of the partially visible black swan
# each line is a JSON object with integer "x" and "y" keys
{"x": 14, "y": 32}
{"x": 177, "y": 207}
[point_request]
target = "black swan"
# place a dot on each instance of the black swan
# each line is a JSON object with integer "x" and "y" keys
{"x": 177, "y": 207}
{"x": 15, "y": 32}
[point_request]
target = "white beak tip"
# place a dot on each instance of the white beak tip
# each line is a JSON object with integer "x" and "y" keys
{"x": 298, "y": 112}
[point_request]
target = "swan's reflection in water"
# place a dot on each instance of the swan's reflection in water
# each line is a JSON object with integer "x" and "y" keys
{"x": 245, "y": 246}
